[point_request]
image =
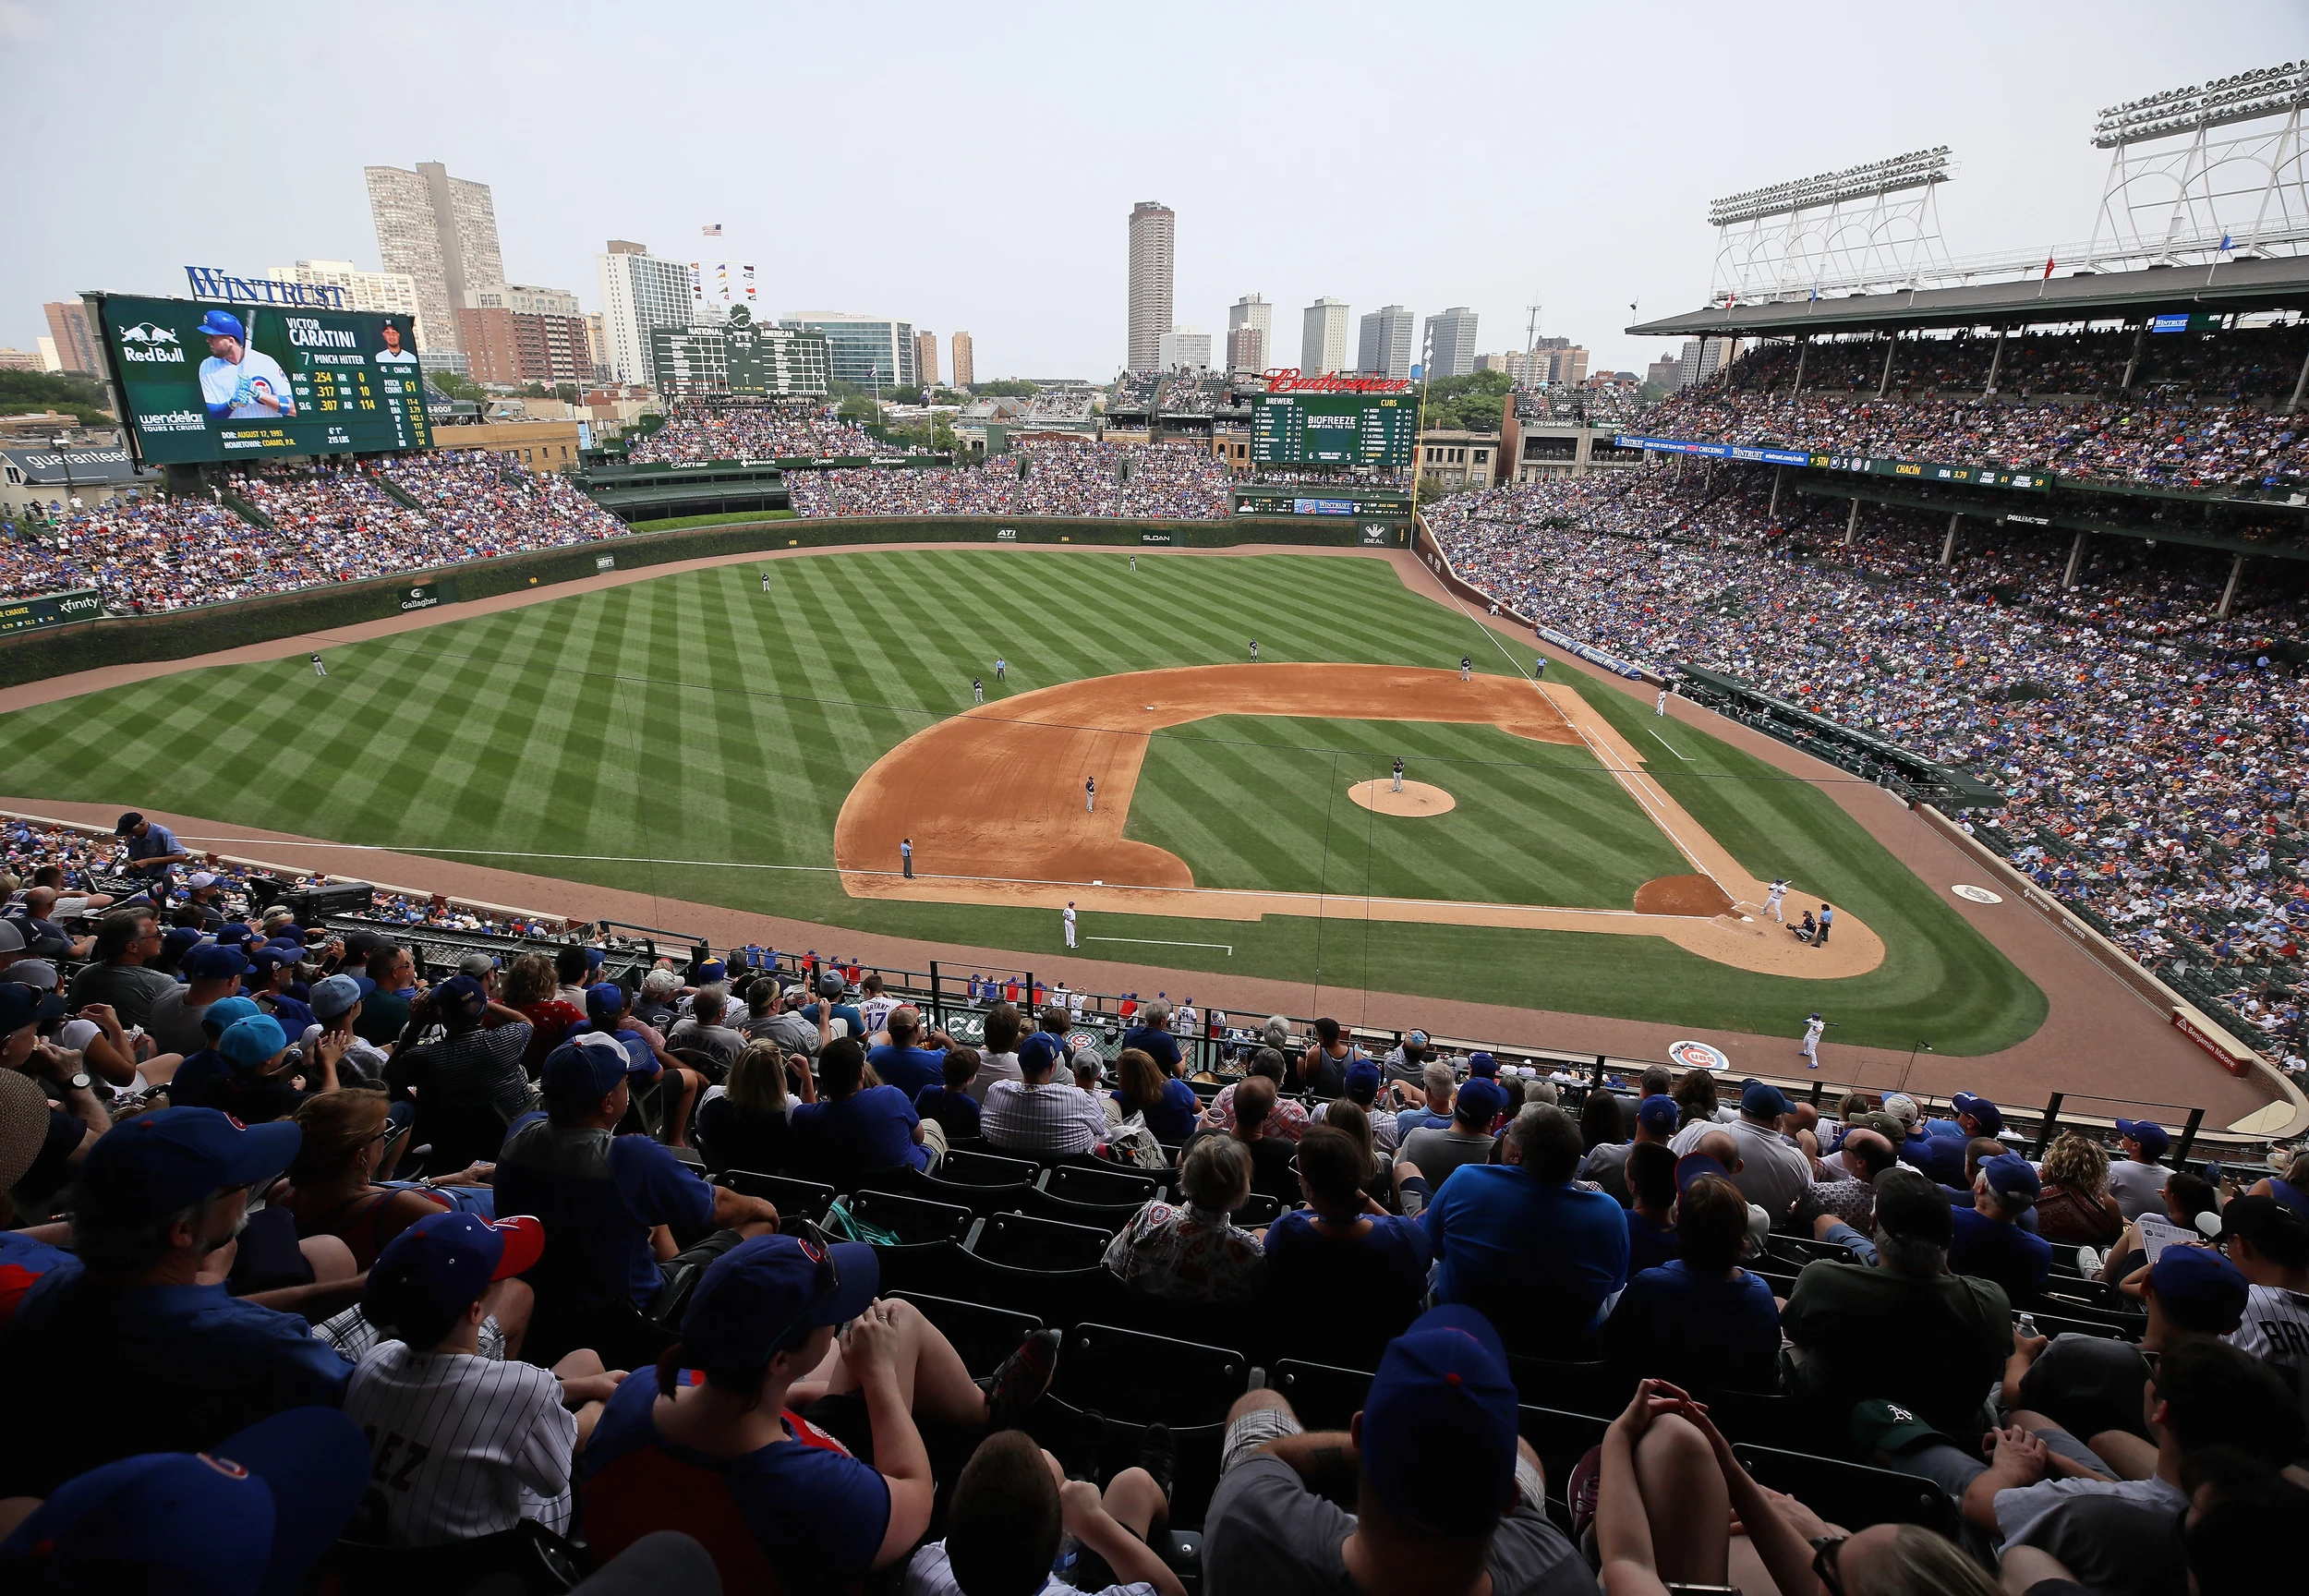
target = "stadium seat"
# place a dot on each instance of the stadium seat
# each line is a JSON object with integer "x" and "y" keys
{"x": 981, "y": 1334}
{"x": 1141, "y": 1378}
{"x": 1797, "y": 1250}
{"x": 1580, "y": 1387}
{"x": 1761, "y": 1419}
{"x": 1099, "y": 1187}
{"x": 2067, "y": 1295}
{"x": 980, "y": 1200}
{"x": 1561, "y": 1439}
{"x": 929, "y": 1237}
{"x": 801, "y": 1198}
{"x": 1257, "y": 1211}
{"x": 986, "y": 1170}
{"x": 527, "y": 1560}
{"x": 1851, "y": 1495}
{"x": 1324, "y": 1395}
{"x": 1042, "y": 1206}
{"x": 1040, "y": 1266}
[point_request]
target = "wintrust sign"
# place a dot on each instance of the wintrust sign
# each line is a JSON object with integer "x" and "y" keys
{"x": 207, "y": 282}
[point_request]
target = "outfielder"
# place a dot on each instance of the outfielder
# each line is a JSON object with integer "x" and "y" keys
{"x": 1069, "y": 917}
{"x": 1254, "y": 650}
{"x": 1809, "y": 1046}
{"x": 1662, "y": 707}
{"x": 1398, "y": 772}
{"x": 1772, "y": 895}
{"x": 1467, "y": 668}
{"x": 1134, "y": 564}
{"x": 765, "y": 578}
{"x": 1090, "y": 794}
{"x": 318, "y": 668}
{"x": 978, "y": 690}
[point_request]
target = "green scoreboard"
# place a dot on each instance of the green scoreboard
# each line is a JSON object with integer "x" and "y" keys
{"x": 215, "y": 382}
{"x": 1334, "y": 429}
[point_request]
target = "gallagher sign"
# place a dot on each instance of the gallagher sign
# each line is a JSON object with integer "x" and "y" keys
{"x": 1287, "y": 380}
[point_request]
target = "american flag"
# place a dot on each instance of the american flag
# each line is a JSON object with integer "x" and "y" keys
{"x": 712, "y": 231}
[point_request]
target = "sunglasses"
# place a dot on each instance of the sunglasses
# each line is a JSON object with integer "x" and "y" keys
{"x": 815, "y": 1246}
{"x": 1825, "y": 1550}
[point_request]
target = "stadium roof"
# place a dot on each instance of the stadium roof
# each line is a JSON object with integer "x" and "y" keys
{"x": 2233, "y": 286}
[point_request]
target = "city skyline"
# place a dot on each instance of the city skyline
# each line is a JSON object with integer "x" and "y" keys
{"x": 1032, "y": 266}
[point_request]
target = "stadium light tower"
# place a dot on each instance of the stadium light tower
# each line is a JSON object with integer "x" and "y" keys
{"x": 2176, "y": 194}
{"x": 1870, "y": 227}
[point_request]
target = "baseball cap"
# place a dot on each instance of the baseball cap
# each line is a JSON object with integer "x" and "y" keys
{"x": 2266, "y": 1222}
{"x": 461, "y": 996}
{"x": 11, "y": 939}
{"x": 1039, "y": 1049}
{"x": 754, "y": 1297}
{"x": 1362, "y": 1076}
{"x": 1881, "y": 1426}
{"x": 2197, "y": 1288}
{"x": 596, "y": 958}
{"x": 178, "y": 940}
{"x": 1909, "y": 1204}
{"x": 23, "y": 1125}
{"x": 2012, "y": 1177}
{"x": 1692, "y": 1166}
{"x": 132, "y": 819}
{"x": 1902, "y": 1108}
{"x": 478, "y": 966}
{"x": 2148, "y": 1133}
{"x": 430, "y": 1273}
{"x": 253, "y": 1514}
{"x": 236, "y": 935}
{"x": 1990, "y": 1116}
{"x": 23, "y": 1006}
{"x": 1483, "y": 1064}
{"x": 604, "y": 1000}
{"x": 711, "y": 971}
{"x": 226, "y": 1011}
{"x": 1415, "y": 1039}
{"x": 1480, "y": 1099}
{"x": 1658, "y": 1115}
{"x": 333, "y": 996}
{"x": 215, "y": 961}
{"x": 1760, "y": 1101}
{"x": 264, "y": 960}
{"x": 200, "y": 878}
{"x": 829, "y": 984}
{"x": 220, "y": 324}
{"x": 37, "y": 973}
{"x": 166, "y": 1161}
{"x": 1443, "y": 1391}
{"x": 584, "y": 1069}
{"x": 248, "y": 1043}
{"x": 1883, "y": 1124}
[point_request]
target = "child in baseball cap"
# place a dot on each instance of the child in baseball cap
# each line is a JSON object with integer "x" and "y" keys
{"x": 427, "y": 1279}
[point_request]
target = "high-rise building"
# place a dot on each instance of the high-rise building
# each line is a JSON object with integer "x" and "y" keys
{"x": 515, "y": 347}
{"x": 439, "y": 230}
{"x": 1154, "y": 243}
{"x": 76, "y": 346}
{"x": 598, "y": 344}
{"x": 13, "y": 359}
{"x": 1450, "y": 344}
{"x": 1251, "y": 310}
{"x": 1567, "y": 366}
{"x": 965, "y": 371}
{"x": 867, "y": 350}
{"x": 1322, "y": 338}
{"x": 1246, "y": 349}
{"x": 1703, "y": 357}
{"x": 926, "y": 359}
{"x": 391, "y": 293}
{"x": 523, "y": 299}
{"x": 639, "y": 294}
{"x": 1183, "y": 349}
{"x": 1385, "y": 348}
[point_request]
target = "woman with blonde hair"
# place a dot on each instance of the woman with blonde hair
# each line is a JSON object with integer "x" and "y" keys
{"x": 1194, "y": 1252}
{"x": 340, "y": 1182}
{"x": 748, "y": 1123}
{"x": 2075, "y": 1206}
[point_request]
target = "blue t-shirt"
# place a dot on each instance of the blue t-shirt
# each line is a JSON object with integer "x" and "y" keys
{"x": 908, "y": 1068}
{"x": 215, "y": 1365}
{"x": 1159, "y": 1046}
{"x": 1536, "y": 1255}
{"x": 1994, "y": 1251}
{"x": 1683, "y": 1327}
{"x": 1390, "y": 1261}
{"x": 1173, "y": 1117}
{"x": 599, "y": 1196}
{"x": 816, "y": 1514}
{"x": 1411, "y": 1120}
{"x": 1649, "y": 1245}
{"x": 848, "y": 1011}
{"x": 956, "y": 1111}
{"x": 869, "y": 1130}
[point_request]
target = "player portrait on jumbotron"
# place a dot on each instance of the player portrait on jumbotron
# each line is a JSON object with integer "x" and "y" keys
{"x": 238, "y": 383}
{"x": 392, "y": 352}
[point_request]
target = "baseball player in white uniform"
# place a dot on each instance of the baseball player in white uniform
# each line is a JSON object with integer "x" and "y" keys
{"x": 1809, "y": 1046}
{"x": 1254, "y": 650}
{"x": 463, "y": 1445}
{"x": 238, "y": 383}
{"x": 1467, "y": 668}
{"x": 1187, "y": 1019}
{"x": 978, "y": 690}
{"x": 1662, "y": 707}
{"x": 318, "y": 668}
{"x": 1772, "y": 894}
{"x": 1068, "y": 918}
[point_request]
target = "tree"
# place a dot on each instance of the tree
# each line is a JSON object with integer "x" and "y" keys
{"x": 857, "y": 407}
{"x": 450, "y": 385}
{"x": 1472, "y": 403}
{"x": 1007, "y": 388}
{"x": 27, "y": 392}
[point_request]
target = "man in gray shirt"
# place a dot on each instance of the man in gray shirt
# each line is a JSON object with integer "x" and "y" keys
{"x": 771, "y": 1018}
{"x": 704, "y": 1030}
{"x": 215, "y": 971}
{"x": 126, "y": 939}
{"x": 1468, "y": 1140}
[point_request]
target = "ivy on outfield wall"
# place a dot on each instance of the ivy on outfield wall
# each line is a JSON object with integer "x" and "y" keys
{"x": 33, "y": 656}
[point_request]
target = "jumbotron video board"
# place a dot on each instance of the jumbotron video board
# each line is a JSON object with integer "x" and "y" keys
{"x": 210, "y": 382}
{"x": 1334, "y": 429}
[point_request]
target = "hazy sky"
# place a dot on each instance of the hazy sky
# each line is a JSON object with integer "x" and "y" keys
{"x": 973, "y": 166}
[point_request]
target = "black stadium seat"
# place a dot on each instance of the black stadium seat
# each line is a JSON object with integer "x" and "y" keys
{"x": 986, "y": 1170}
{"x": 527, "y": 1560}
{"x": 981, "y": 1335}
{"x": 1324, "y": 1395}
{"x": 1851, "y": 1494}
{"x": 1100, "y": 1187}
{"x": 1040, "y": 1266}
{"x": 1582, "y": 1387}
{"x": 794, "y": 1199}
{"x": 1141, "y": 1379}
{"x": 929, "y": 1237}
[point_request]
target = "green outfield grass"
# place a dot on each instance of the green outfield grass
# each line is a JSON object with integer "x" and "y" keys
{"x": 1260, "y": 801}
{"x": 689, "y": 736}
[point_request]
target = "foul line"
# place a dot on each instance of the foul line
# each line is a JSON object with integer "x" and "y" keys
{"x": 1670, "y": 747}
{"x": 1160, "y": 942}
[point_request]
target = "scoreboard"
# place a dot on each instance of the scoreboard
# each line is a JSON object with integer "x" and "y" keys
{"x": 215, "y": 382}
{"x": 1334, "y": 429}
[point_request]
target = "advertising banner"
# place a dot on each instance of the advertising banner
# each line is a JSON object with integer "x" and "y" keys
{"x": 1156, "y": 537}
{"x": 1572, "y": 645}
{"x": 1912, "y": 470}
{"x": 429, "y": 595}
{"x": 50, "y": 609}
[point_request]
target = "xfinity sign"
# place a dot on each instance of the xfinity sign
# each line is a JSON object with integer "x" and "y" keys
{"x": 207, "y": 282}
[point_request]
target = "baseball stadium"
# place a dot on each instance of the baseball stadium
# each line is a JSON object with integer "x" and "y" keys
{"x": 1882, "y": 752}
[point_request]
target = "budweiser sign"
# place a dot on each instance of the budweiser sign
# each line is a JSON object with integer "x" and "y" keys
{"x": 1287, "y": 380}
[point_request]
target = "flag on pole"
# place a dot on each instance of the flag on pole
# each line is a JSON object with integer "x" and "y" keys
{"x": 2048, "y": 267}
{"x": 2226, "y": 244}
{"x": 713, "y": 231}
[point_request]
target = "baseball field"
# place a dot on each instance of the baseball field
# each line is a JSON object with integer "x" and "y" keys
{"x": 695, "y": 737}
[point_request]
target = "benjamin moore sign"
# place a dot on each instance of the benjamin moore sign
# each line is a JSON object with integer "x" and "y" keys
{"x": 51, "y": 609}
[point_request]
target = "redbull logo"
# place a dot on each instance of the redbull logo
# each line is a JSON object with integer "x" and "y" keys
{"x": 148, "y": 342}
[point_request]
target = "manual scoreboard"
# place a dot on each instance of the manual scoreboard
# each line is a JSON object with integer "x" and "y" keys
{"x": 1335, "y": 430}
{"x": 213, "y": 383}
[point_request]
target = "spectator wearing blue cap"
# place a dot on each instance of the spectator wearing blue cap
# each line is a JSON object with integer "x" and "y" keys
{"x": 477, "y": 1063}
{"x": 790, "y": 1452}
{"x": 254, "y": 1513}
{"x": 1987, "y": 1239}
{"x": 1605, "y": 1162}
{"x": 1361, "y": 1088}
{"x": 1448, "y": 1497}
{"x": 1468, "y": 1139}
{"x": 610, "y": 1009}
{"x": 1521, "y": 1241}
{"x": 2137, "y": 1180}
{"x": 159, "y": 1197}
{"x": 1700, "y": 1320}
{"x": 600, "y": 1195}
{"x": 1041, "y": 1116}
{"x": 212, "y": 972}
{"x": 252, "y": 1073}
{"x": 336, "y": 1001}
{"x": 126, "y": 941}
{"x": 273, "y": 970}
{"x": 1772, "y": 1171}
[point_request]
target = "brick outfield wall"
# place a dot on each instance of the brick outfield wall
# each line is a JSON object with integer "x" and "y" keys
{"x": 35, "y": 655}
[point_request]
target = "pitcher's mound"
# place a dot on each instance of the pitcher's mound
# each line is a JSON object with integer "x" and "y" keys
{"x": 1417, "y": 798}
{"x": 1693, "y": 895}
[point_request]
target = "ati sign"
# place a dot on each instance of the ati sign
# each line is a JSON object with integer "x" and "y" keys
{"x": 1156, "y": 537}
{"x": 427, "y": 595}
{"x": 605, "y": 561}
{"x": 1006, "y": 535}
{"x": 53, "y": 610}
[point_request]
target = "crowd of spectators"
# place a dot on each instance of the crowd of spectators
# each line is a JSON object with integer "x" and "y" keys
{"x": 2153, "y": 753}
{"x": 328, "y": 523}
{"x": 1172, "y": 481}
{"x": 579, "y": 1322}
{"x": 2203, "y": 412}
{"x": 694, "y": 433}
